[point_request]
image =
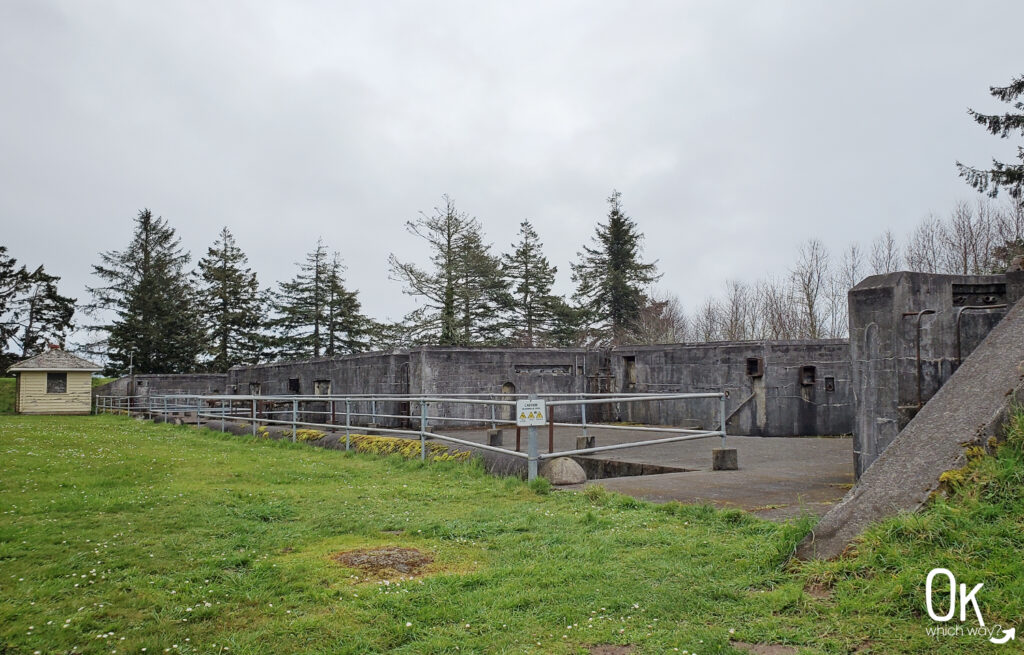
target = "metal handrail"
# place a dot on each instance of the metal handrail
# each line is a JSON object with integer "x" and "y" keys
{"x": 228, "y": 404}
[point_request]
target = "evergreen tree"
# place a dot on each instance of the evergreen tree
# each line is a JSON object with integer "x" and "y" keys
{"x": 463, "y": 293}
{"x": 316, "y": 314}
{"x": 43, "y": 315}
{"x": 232, "y": 306}
{"x": 14, "y": 280}
{"x": 347, "y": 328}
{"x": 150, "y": 302}
{"x": 530, "y": 276}
{"x": 1001, "y": 175}
{"x": 611, "y": 277}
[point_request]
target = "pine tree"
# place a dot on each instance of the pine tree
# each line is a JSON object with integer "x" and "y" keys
{"x": 347, "y": 328}
{"x": 149, "y": 301}
{"x": 530, "y": 276}
{"x": 464, "y": 293}
{"x": 232, "y": 307}
{"x": 316, "y": 314}
{"x": 43, "y": 315}
{"x": 1001, "y": 175}
{"x": 611, "y": 277}
{"x": 14, "y": 280}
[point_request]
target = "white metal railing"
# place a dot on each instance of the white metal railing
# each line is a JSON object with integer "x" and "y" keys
{"x": 261, "y": 410}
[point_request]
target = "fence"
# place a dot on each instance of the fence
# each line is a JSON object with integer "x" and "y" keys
{"x": 262, "y": 410}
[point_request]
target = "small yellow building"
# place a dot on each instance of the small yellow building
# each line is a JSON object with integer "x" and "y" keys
{"x": 54, "y": 382}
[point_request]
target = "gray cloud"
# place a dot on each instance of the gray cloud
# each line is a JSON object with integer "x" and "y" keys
{"x": 734, "y": 130}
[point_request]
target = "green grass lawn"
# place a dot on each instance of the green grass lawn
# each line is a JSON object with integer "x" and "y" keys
{"x": 128, "y": 537}
{"x": 6, "y": 395}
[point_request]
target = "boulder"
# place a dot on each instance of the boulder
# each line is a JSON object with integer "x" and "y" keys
{"x": 563, "y": 470}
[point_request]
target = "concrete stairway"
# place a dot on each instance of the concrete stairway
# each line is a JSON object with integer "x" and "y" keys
{"x": 968, "y": 409}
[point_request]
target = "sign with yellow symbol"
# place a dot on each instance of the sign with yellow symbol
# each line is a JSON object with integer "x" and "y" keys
{"x": 531, "y": 412}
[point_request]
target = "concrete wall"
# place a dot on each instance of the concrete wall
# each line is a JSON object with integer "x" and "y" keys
{"x": 776, "y": 388}
{"x": 145, "y": 385}
{"x": 772, "y": 401}
{"x": 909, "y": 332}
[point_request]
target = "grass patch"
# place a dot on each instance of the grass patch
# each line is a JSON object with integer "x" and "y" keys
{"x": 134, "y": 535}
{"x": 6, "y": 395}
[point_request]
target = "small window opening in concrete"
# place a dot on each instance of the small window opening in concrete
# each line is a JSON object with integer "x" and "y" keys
{"x": 508, "y": 387}
{"x": 254, "y": 388}
{"x": 807, "y": 374}
{"x": 322, "y": 387}
{"x": 630, "y": 363}
{"x": 56, "y": 383}
{"x": 830, "y": 384}
{"x": 293, "y": 385}
{"x": 755, "y": 367}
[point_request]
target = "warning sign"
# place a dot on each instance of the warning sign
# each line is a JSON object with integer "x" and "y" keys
{"x": 531, "y": 412}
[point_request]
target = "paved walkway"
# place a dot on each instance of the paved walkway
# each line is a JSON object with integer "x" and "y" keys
{"x": 779, "y": 477}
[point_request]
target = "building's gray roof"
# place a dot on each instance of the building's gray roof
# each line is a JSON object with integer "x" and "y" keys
{"x": 54, "y": 360}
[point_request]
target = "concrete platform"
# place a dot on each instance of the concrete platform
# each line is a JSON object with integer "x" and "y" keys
{"x": 778, "y": 477}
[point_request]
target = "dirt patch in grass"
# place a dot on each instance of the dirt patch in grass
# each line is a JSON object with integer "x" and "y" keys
{"x": 380, "y": 561}
{"x": 763, "y": 649}
{"x": 818, "y": 591}
{"x": 611, "y": 650}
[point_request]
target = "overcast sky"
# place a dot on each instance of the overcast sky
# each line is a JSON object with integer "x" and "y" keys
{"x": 734, "y": 130}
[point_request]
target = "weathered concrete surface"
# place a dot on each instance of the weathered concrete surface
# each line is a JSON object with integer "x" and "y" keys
{"x": 908, "y": 334}
{"x": 969, "y": 408}
{"x": 563, "y": 470}
{"x": 780, "y": 477}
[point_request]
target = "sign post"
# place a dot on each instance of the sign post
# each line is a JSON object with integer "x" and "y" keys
{"x": 531, "y": 413}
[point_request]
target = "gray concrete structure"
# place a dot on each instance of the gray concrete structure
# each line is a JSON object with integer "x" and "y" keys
{"x": 909, "y": 332}
{"x": 155, "y": 384}
{"x": 777, "y": 388}
{"x": 968, "y": 410}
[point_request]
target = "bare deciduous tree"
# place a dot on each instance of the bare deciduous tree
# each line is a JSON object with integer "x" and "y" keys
{"x": 885, "y": 254}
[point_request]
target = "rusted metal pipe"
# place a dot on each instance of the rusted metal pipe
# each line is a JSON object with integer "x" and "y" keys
{"x": 959, "y": 314}
{"x": 917, "y": 343}
{"x": 551, "y": 430}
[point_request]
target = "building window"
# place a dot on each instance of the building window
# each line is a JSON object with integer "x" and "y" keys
{"x": 56, "y": 383}
{"x": 807, "y": 374}
{"x": 755, "y": 367}
{"x": 322, "y": 387}
{"x": 293, "y": 385}
{"x": 830, "y": 384}
{"x": 254, "y": 388}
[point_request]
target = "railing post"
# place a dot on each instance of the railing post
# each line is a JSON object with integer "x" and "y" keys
{"x": 531, "y": 449}
{"x": 223, "y": 412}
{"x": 721, "y": 415}
{"x": 348, "y": 423}
{"x": 373, "y": 411}
{"x": 199, "y": 410}
{"x": 494, "y": 425}
{"x": 423, "y": 428}
{"x": 295, "y": 417}
{"x": 583, "y": 414}
{"x": 254, "y": 417}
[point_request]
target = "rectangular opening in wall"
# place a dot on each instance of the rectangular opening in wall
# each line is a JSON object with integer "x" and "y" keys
{"x": 543, "y": 369}
{"x": 254, "y": 388}
{"x": 807, "y": 374}
{"x": 56, "y": 383}
{"x": 322, "y": 387}
{"x": 629, "y": 362}
{"x": 965, "y": 295}
{"x": 755, "y": 367}
{"x": 830, "y": 384}
{"x": 293, "y": 385}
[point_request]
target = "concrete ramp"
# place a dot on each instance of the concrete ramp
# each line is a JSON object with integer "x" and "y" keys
{"x": 968, "y": 409}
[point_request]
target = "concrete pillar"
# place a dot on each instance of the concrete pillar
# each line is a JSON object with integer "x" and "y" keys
{"x": 724, "y": 459}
